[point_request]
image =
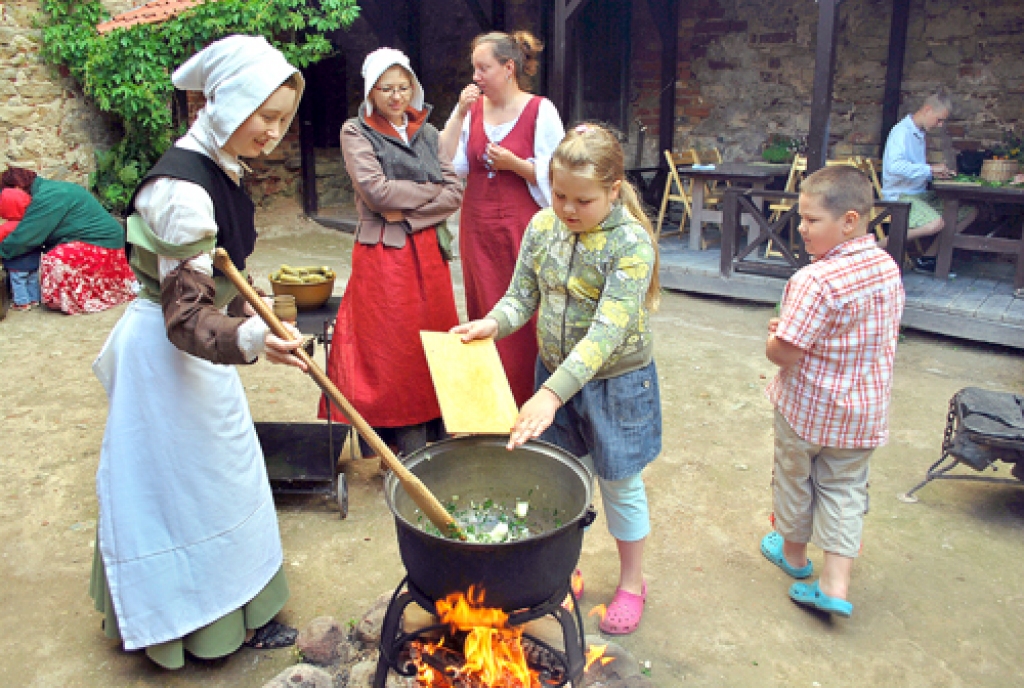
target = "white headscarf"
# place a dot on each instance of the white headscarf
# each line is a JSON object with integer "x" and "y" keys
{"x": 236, "y": 74}
{"x": 378, "y": 62}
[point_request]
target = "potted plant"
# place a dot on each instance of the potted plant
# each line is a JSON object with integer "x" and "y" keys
{"x": 781, "y": 149}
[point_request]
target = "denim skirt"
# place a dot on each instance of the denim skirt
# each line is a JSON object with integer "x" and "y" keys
{"x": 616, "y": 420}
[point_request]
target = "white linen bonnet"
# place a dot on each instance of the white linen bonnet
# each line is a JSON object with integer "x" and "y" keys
{"x": 236, "y": 74}
{"x": 378, "y": 62}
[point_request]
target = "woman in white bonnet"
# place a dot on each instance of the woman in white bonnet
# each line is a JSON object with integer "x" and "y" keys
{"x": 188, "y": 552}
{"x": 400, "y": 281}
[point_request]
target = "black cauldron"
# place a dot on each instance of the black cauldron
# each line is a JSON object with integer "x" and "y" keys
{"x": 513, "y": 575}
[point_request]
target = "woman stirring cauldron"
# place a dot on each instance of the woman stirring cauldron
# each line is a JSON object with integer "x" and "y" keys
{"x": 188, "y": 552}
{"x": 400, "y": 281}
{"x": 501, "y": 138}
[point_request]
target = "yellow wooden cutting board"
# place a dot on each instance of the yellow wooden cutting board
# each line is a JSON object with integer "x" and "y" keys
{"x": 471, "y": 385}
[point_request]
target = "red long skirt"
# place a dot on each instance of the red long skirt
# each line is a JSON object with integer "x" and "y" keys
{"x": 377, "y": 358}
{"x": 81, "y": 278}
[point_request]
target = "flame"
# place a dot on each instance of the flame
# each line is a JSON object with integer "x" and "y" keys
{"x": 596, "y": 653}
{"x": 599, "y": 611}
{"x": 577, "y": 583}
{"x": 494, "y": 654}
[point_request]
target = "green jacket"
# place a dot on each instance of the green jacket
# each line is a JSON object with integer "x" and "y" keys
{"x": 589, "y": 291}
{"x": 62, "y": 212}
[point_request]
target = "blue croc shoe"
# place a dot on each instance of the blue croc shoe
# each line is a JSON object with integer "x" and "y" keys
{"x": 812, "y": 596}
{"x": 771, "y": 548}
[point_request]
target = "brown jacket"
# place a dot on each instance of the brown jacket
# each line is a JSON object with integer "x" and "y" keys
{"x": 424, "y": 204}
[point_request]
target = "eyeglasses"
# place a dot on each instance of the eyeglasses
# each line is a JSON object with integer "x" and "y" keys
{"x": 391, "y": 90}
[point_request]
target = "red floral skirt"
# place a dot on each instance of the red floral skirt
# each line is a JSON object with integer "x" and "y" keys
{"x": 81, "y": 278}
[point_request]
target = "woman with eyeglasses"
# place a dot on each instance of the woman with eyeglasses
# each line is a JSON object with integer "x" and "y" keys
{"x": 500, "y": 138}
{"x": 400, "y": 282}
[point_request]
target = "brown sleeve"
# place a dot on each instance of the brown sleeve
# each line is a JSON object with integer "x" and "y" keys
{"x": 442, "y": 206}
{"x": 193, "y": 323}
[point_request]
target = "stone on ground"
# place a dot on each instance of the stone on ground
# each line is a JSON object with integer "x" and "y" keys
{"x": 319, "y": 641}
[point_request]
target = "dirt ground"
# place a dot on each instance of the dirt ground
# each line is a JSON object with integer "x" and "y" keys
{"x": 938, "y": 593}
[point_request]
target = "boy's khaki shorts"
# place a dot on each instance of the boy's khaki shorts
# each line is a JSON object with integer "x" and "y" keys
{"x": 820, "y": 493}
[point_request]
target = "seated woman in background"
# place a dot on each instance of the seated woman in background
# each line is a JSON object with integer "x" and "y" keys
{"x": 83, "y": 267}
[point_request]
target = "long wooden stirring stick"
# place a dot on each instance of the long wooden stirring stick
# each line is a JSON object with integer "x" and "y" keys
{"x": 423, "y": 497}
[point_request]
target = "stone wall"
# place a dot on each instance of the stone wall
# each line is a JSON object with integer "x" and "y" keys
{"x": 46, "y": 124}
{"x": 745, "y": 71}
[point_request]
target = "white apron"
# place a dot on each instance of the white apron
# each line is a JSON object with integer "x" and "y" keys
{"x": 187, "y": 527}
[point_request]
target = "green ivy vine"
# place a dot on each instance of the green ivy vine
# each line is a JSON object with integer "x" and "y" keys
{"x": 127, "y": 72}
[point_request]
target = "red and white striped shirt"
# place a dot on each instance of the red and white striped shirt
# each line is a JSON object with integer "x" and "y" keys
{"x": 844, "y": 311}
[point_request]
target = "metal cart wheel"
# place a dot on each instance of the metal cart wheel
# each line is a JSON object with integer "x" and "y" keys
{"x": 343, "y": 495}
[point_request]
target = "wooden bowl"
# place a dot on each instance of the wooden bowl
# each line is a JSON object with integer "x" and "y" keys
{"x": 308, "y": 297}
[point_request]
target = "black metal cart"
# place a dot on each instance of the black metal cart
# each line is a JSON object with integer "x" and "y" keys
{"x": 302, "y": 458}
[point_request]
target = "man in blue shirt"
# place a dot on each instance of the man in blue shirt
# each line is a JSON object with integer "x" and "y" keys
{"x": 906, "y": 173}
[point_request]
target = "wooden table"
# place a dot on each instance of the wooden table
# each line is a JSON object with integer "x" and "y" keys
{"x": 952, "y": 193}
{"x": 752, "y": 175}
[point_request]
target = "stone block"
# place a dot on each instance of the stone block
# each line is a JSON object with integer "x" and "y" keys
{"x": 947, "y": 55}
{"x": 319, "y": 640}
{"x": 361, "y": 675}
{"x": 369, "y": 627}
{"x": 301, "y": 676}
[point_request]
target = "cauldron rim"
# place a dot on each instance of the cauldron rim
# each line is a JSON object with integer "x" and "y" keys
{"x": 421, "y": 455}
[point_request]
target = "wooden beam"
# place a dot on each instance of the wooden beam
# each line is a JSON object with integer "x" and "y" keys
{"x": 482, "y": 20}
{"x": 377, "y": 13}
{"x": 666, "y": 17}
{"x": 414, "y": 34}
{"x": 894, "y": 68}
{"x": 498, "y": 15}
{"x": 557, "y": 82}
{"x": 307, "y": 155}
{"x": 559, "y": 47}
{"x": 824, "y": 71}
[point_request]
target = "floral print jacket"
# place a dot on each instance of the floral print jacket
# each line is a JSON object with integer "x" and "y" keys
{"x": 588, "y": 290}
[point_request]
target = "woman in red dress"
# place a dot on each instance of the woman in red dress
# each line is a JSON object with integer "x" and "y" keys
{"x": 500, "y": 137}
{"x": 400, "y": 281}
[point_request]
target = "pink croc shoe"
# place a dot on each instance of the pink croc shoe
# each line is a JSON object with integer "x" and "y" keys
{"x": 624, "y": 613}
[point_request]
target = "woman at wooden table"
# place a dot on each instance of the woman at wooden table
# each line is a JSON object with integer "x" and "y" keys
{"x": 400, "y": 282}
{"x": 501, "y": 137}
{"x": 188, "y": 553}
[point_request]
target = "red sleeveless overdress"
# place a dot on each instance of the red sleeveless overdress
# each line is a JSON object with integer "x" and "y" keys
{"x": 495, "y": 212}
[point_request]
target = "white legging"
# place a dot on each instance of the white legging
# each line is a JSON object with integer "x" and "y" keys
{"x": 625, "y": 505}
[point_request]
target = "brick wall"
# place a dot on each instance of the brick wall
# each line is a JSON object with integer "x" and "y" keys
{"x": 745, "y": 71}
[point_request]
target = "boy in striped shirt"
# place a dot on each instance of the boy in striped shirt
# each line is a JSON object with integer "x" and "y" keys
{"x": 834, "y": 343}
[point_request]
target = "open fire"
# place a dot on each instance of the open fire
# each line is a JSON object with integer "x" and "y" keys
{"x": 481, "y": 650}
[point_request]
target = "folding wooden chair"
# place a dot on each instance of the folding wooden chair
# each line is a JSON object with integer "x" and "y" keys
{"x": 797, "y": 171}
{"x": 712, "y": 190}
{"x": 675, "y": 191}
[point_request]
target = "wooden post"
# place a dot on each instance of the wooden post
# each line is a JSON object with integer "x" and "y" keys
{"x": 498, "y": 15}
{"x": 666, "y": 17}
{"x": 556, "y": 80}
{"x": 307, "y": 155}
{"x": 824, "y": 71}
{"x": 894, "y": 68}
{"x": 414, "y": 34}
{"x": 558, "y": 91}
